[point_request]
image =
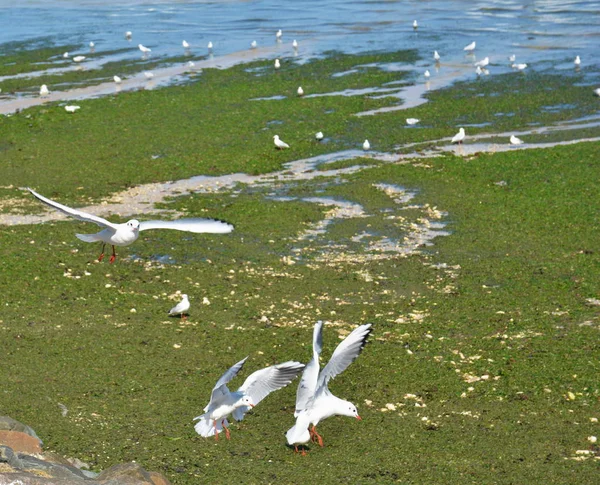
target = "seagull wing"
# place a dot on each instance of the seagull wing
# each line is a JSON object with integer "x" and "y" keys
{"x": 189, "y": 225}
{"x": 310, "y": 376}
{"x": 79, "y": 215}
{"x": 344, "y": 354}
{"x": 220, "y": 390}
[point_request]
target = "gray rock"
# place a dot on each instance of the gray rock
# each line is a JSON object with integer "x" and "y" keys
{"x": 10, "y": 424}
{"x": 7, "y": 455}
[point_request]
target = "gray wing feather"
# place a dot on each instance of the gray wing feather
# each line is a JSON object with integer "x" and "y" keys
{"x": 261, "y": 383}
{"x": 196, "y": 225}
{"x": 76, "y": 214}
{"x": 220, "y": 390}
{"x": 310, "y": 376}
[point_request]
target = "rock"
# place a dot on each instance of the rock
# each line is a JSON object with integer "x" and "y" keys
{"x": 20, "y": 442}
{"x": 10, "y": 424}
{"x": 130, "y": 474}
{"x": 7, "y": 455}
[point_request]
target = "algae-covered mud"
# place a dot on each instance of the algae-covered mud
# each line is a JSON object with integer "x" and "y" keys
{"x": 476, "y": 264}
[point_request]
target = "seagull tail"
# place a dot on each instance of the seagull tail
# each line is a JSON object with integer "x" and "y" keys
{"x": 89, "y": 237}
{"x": 205, "y": 427}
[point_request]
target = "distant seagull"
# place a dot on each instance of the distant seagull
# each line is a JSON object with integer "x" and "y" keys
{"x": 478, "y": 71}
{"x": 278, "y": 35}
{"x": 412, "y": 121}
{"x": 117, "y": 79}
{"x": 210, "y": 46}
{"x": 191, "y": 64}
{"x": 255, "y": 388}
{"x": 181, "y": 308}
{"x": 470, "y": 47}
{"x": 295, "y": 44}
{"x": 253, "y": 44}
{"x": 512, "y": 58}
{"x": 78, "y": 58}
{"x": 597, "y": 91}
{"x": 44, "y": 90}
{"x": 279, "y": 143}
{"x": 92, "y": 45}
{"x": 515, "y": 141}
{"x": 366, "y": 145}
{"x": 128, "y": 232}
{"x": 71, "y": 108}
{"x": 520, "y": 67}
{"x": 459, "y": 137}
{"x": 319, "y": 136}
{"x": 436, "y": 56}
{"x": 277, "y": 64}
{"x": 66, "y": 55}
{"x": 185, "y": 44}
{"x": 148, "y": 74}
{"x": 128, "y": 35}
{"x": 300, "y": 91}
{"x": 427, "y": 74}
{"x": 144, "y": 49}
{"x": 484, "y": 62}
{"x": 415, "y": 25}
{"x": 577, "y": 61}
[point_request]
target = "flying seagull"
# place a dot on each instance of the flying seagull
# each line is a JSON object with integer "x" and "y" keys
{"x": 255, "y": 388}
{"x": 127, "y": 233}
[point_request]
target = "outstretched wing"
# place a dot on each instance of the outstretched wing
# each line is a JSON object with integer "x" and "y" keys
{"x": 189, "y": 225}
{"x": 79, "y": 215}
{"x": 220, "y": 390}
{"x": 344, "y": 354}
{"x": 310, "y": 376}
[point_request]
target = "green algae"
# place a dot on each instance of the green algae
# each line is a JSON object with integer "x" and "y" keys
{"x": 506, "y": 295}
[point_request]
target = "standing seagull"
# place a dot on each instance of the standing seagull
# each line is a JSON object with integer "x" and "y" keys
{"x": 484, "y": 62}
{"x": 44, "y": 91}
{"x": 144, "y": 49}
{"x": 470, "y": 48}
{"x": 127, "y": 233}
{"x": 186, "y": 45}
{"x": 415, "y": 25}
{"x": 515, "y": 141}
{"x": 577, "y": 61}
{"x": 459, "y": 137}
{"x": 314, "y": 401}
{"x": 279, "y": 143}
{"x": 255, "y": 388}
{"x": 366, "y": 145}
{"x": 181, "y": 308}
{"x": 436, "y": 56}
{"x": 277, "y": 64}
{"x": 278, "y": 35}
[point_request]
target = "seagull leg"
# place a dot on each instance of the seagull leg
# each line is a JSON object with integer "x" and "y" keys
{"x": 303, "y": 452}
{"x": 101, "y": 257}
{"x": 227, "y": 434}
{"x": 113, "y": 256}
{"x": 184, "y": 316}
{"x": 316, "y": 435}
{"x": 216, "y": 432}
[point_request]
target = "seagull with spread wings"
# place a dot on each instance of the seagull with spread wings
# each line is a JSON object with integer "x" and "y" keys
{"x": 128, "y": 232}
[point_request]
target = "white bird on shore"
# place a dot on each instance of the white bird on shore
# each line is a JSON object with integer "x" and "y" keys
{"x": 148, "y": 74}
{"x": 515, "y": 141}
{"x": 128, "y": 35}
{"x": 277, "y": 64}
{"x": 366, "y": 145}
{"x": 191, "y": 64}
{"x": 436, "y": 56}
{"x": 314, "y": 400}
{"x": 319, "y": 135}
{"x": 470, "y": 47}
{"x": 427, "y": 74}
{"x": 459, "y": 137}
{"x": 520, "y": 67}
{"x": 279, "y": 143}
{"x": 185, "y": 44}
{"x": 415, "y": 25}
{"x": 44, "y": 91}
{"x": 72, "y": 108}
{"x": 512, "y": 58}
{"x": 253, "y": 44}
{"x": 255, "y": 388}
{"x": 78, "y": 58}
{"x": 278, "y": 35}
{"x": 577, "y": 61}
{"x": 117, "y": 79}
{"x": 300, "y": 91}
{"x": 482, "y": 63}
{"x": 128, "y": 232}
{"x": 92, "y": 45}
{"x": 210, "y": 46}
{"x": 597, "y": 91}
{"x": 412, "y": 121}
{"x": 181, "y": 308}
{"x": 144, "y": 49}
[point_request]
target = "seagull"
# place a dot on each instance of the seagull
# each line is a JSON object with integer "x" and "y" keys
{"x": 412, "y": 121}
{"x": 185, "y": 45}
{"x": 181, "y": 308}
{"x": 144, "y": 49}
{"x": 478, "y": 71}
{"x": 597, "y": 91}
{"x": 314, "y": 400}
{"x": 253, "y": 44}
{"x": 255, "y": 388}
{"x": 117, "y": 79}
{"x": 512, "y": 58}
{"x": 470, "y": 47}
{"x": 436, "y": 56}
{"x": 319, "y": 136}
{"x": 415, "y": 25}
{"x": 191, "y": 64}
{"x": 210, "y": 46}
{"x": 44, "y": 90}
{"x": 66, "y": 55}
{"x": 577, "y": 61}
{"x": 295, "y": 44}
{"x": 78, "y": 58}
{"x": 92, "y": 45}
{"x": 277, "y": 64}
{"x": 300, "y": 91}
{"x": 128, "y": 35}
{"x": 515, "y": 141}
{"x": 427, "y": 74}
{"x": 278, "y": 35}
{"x": 520, "y": 67}
{"x": 279, "y": 143}
{"x": 484, "y": 62}
{"x": 459, "y": 137}
{"x": 148, "y": 74}
{"x": 127, "y": 233}
{"x": 366, "y": 145}
{"x": 71, "y": 108}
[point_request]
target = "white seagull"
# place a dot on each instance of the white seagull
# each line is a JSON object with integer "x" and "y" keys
{"x": 319, "y": 136}
{"x": 515, "y": 141}
{"x": 597, "y": 91}
{"x": 148, "y": 74}
{"x": 427, "y": 74}
{"x": 181, "y": 308}
{"x": 470, "y": 47}
{"x": 482, "y": 63}
{"x": 314, "y": 400}
{"x": 72, "y": 108}
{"x": 415, "y": 25}
{"x": 278, "y": 35}
{"x": 577, "y": 61}
{"x": 78, "y": 58}
{"x": 127, "y": 233}
{"x": 512, "y": 58}
{"x": 66, "y": 55}
{"x": 436, "y": 56}
{"x": 279, "y": 143}
{"x": 209, "y": 46}
{"x": 459, "y": 137}
{"x": 300, "y": 91}
{"x": 185, "y": 44}
{"x": 117, "y": 79}
{"x": 277, "y": 64}
{"x": 255, "y": 388}
{"x": 92, "y": 45}
{"x": 412, "y": 121}
{"x": 44, "y": 90}
{"x": 128, "y": 35}
{"x": 144, "y": 49}
{"x": 253, "y": 44}
{"x": 520, "y": 67}
{"x": 366, "y": 145}
{"x": 295, "y": 44}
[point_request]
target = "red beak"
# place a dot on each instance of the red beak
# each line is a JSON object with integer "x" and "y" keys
{"x": 358, "y": 417}
{"x": 251, "y": 405}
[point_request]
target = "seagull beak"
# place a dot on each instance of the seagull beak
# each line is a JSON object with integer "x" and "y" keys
{"x": 358, "y": 417}
{"x": 251, "y": 405}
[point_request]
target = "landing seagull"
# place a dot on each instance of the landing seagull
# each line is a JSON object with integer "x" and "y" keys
{"x": 181, "y": 308}
{"x": 314, "y": 401}
{"x": 127, "y": 233}
{"x": 279, "y": 143}
{"x": 255, "y": 388}
{"x": 459, "y": 137}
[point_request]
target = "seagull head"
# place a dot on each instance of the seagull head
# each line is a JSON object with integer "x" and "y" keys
{"x": 350, "y": 410}
{"x": 246, "y": 401}
{"x": 184, "y": 296}
{"x": 134, "y": 224}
